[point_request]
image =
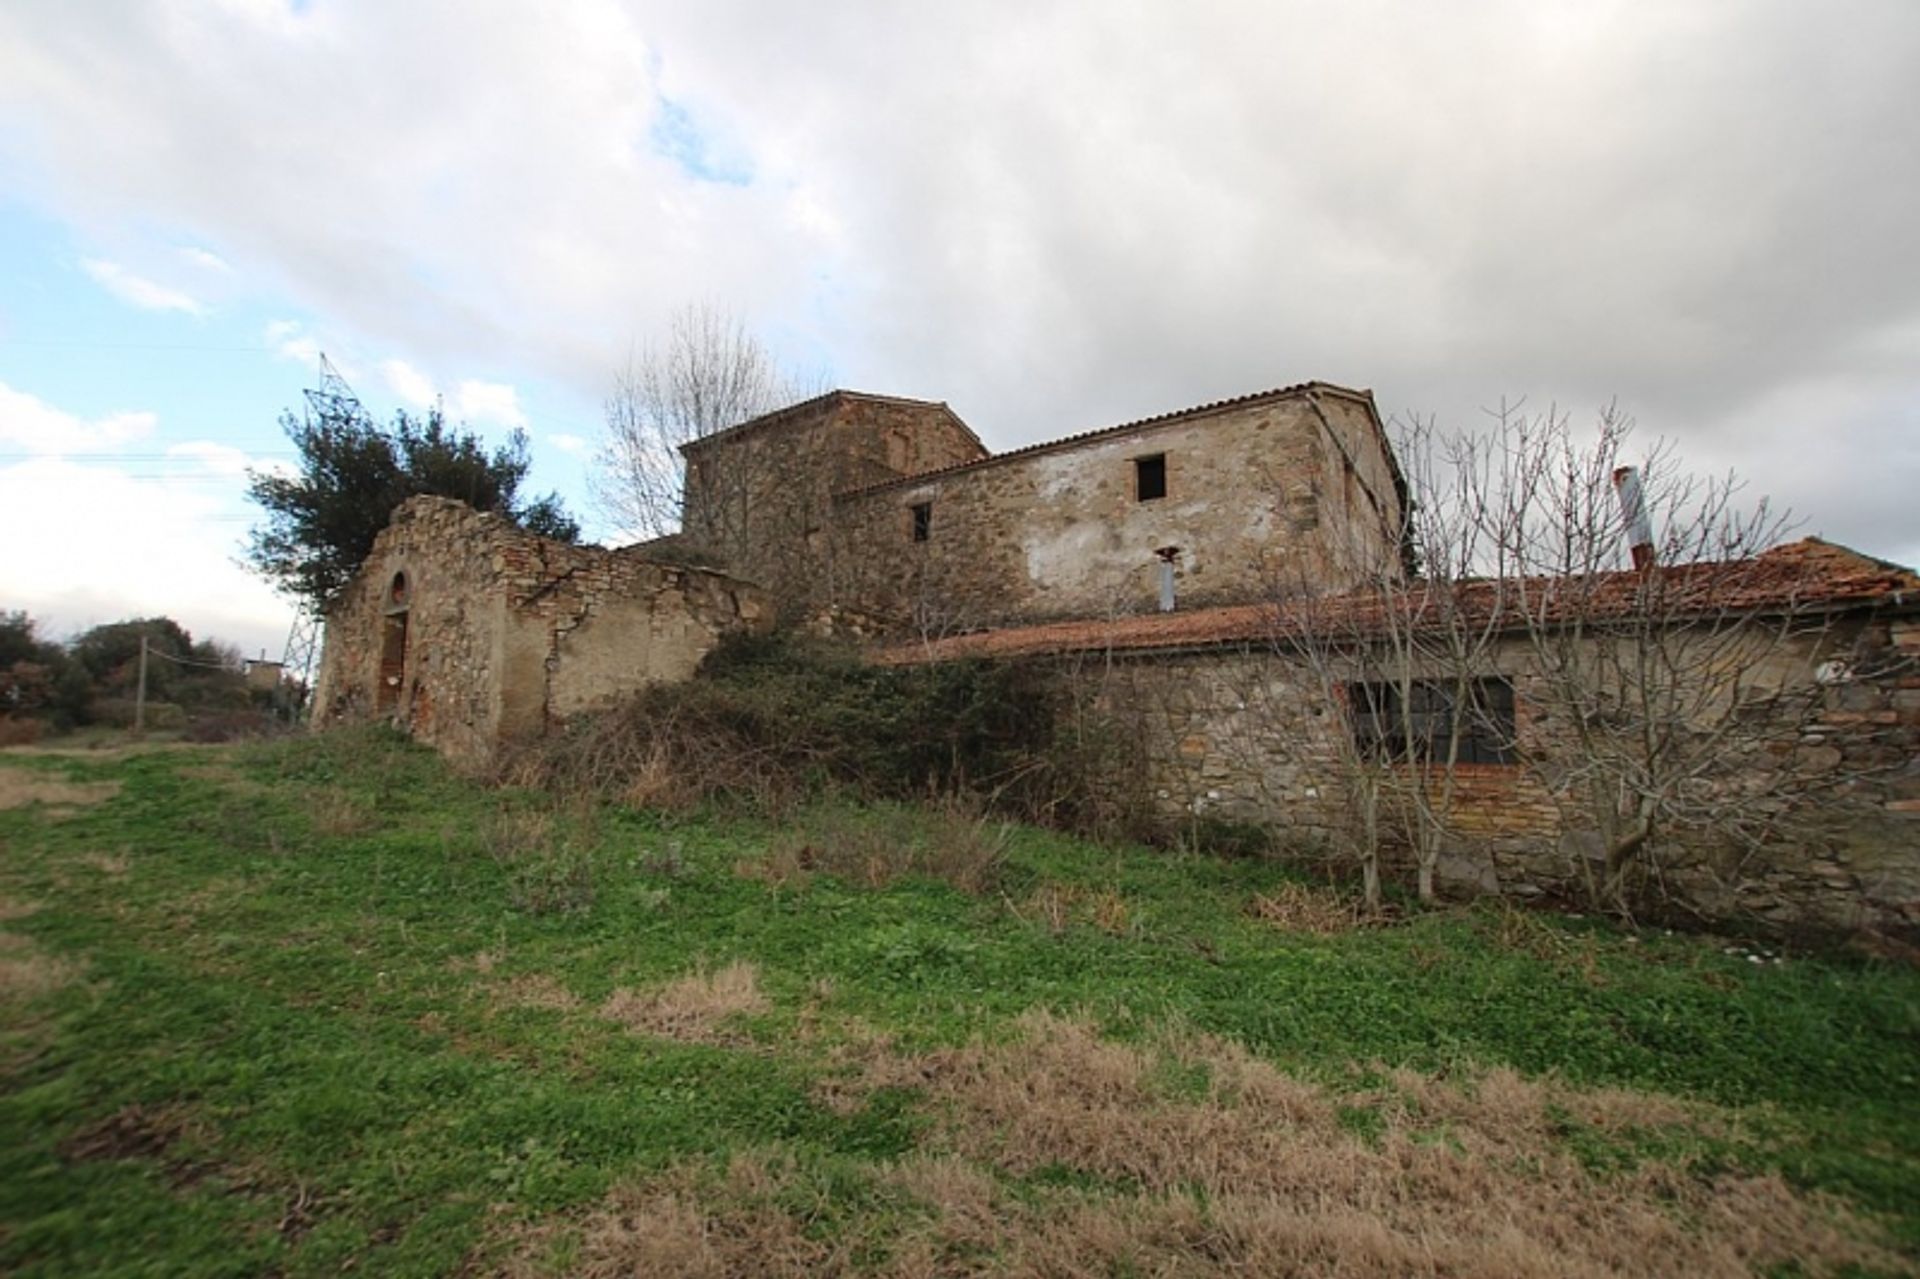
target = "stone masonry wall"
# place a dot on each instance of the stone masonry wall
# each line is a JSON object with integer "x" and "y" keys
{"x": 1259, "y": 495}
{"x": 760, "y": 500}
{"x": 1241, "y": 735}
{"x": 506, "y": 632}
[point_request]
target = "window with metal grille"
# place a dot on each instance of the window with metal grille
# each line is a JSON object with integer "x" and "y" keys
{"x": 1421, "y": 720}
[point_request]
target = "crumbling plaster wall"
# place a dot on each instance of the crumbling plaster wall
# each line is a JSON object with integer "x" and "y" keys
{"x": 1258, "y": 497}
{"x": 1243, "y": 735}
{"x": 508, "y": 632}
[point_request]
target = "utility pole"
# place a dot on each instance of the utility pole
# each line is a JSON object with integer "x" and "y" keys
{"x": 140, "y": 695}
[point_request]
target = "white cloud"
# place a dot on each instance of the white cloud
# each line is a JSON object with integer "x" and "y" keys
{"x": 568, "y": 443}
{"x": 477, "y": 402}
{"x": 1063, "y": 216}
{"x": 213, "y": 459}
{"x": 289, "y": 340}
{"x": 181, "y": 562}
{"x": 206, "y": 260}
{"x": 489, "y": 402}
{"x": 137, "y": 290}
{"x": 409, "y": 383}
{"x": 160, "y": 535}
{"x": 31, "y": 425}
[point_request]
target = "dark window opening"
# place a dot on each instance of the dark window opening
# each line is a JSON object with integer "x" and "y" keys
{"x": 922, "y": 521}
{"x": 1150, "y": 477}
{"x": 1421, "y": 722}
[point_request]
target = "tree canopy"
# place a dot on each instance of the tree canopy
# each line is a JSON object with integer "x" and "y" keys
{"x": 321, "y": 521}
{"x": 69, "y": 683}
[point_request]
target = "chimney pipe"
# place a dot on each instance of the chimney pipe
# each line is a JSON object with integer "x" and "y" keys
{"x": 1633, "y": 507}
{"x": 1167, "y": 554}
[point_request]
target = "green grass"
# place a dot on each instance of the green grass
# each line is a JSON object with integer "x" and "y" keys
{"x": 277, "y": 1051}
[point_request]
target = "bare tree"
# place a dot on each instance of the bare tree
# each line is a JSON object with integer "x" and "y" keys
{"x": 1402, "y": 657}
{"x": 1658, "y": 699}
{"x": 1670, "y": 686}
{"x": 705, "y": 374}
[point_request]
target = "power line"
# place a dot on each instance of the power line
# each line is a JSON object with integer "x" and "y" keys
{"x": 142, "y": 457}
{"x": 138, "y": 346}
{"x": 188, "y": 661}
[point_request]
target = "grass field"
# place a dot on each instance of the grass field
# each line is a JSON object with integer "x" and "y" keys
{"x": 319, "y": 1006}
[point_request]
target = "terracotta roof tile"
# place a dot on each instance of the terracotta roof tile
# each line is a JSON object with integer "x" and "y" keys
{"x": 1810, "y": 574}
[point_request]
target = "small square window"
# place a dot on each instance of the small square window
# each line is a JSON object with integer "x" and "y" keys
{"x": 1150, "y": 477}
{"x": 922, "y": 521}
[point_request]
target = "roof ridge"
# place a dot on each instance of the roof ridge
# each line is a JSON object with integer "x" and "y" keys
{"x": 1080, "y": 437}
{"x": 838, "y": 393}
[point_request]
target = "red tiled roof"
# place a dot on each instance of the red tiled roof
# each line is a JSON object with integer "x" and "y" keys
{"x": 1809, "y": 574}
{"x": 1082, "y": 437}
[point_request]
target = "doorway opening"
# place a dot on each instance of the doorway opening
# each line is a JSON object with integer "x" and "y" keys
{"x": 393, "y": 645}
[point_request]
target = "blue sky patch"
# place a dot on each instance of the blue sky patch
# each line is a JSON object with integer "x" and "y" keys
{"x": 697, "y": 149}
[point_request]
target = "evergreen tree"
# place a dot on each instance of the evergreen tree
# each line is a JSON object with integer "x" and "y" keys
{"x": 321, "y": 521}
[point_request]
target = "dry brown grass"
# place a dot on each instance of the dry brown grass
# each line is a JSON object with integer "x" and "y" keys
{"x": 28, "y": 973}
{"x": 1056, "y": 907}
{"x": 104, "y": 749}
{"x": 1051, "y": 905}
{"x": 19, "y": 731}
{"x": 112, "y": 865}
{"x": 699, "y": 1007}
{"x": 1248, "y": 1171}
{"x": 1301, "y": 908}
{"x": 692, "y": 1223}
{"x": 533, "y": 990}
{"x": 60, "y": 795}
{"x": 17, "y": 908}
{"x": 480, "y": 961}
{"x": 657, "y": 783}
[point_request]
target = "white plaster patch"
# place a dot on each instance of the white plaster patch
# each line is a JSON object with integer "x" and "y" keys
{"x": 1063, "y": 475}
{"x": 1061, "y": 559}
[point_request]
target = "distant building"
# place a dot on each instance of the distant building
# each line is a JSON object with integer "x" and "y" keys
{"x": 262, "y": 674}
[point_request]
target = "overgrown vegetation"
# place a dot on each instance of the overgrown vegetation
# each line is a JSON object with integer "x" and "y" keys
{"x": 292, "y": 1008}
{"x": 773, "y": 720}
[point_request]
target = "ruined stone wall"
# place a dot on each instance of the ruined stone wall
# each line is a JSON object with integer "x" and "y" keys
{"x": 506, "y": 632}
{"x": 1244, "y": 736}
{"x": 1256, "y": 495}
{"x": 446, "y": 687}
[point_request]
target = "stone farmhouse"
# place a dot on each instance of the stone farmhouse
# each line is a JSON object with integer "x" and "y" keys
{"x": 886, "y": 514}
{"x": 1149, "y": 554}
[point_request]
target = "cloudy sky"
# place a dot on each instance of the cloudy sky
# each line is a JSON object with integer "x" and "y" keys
{"x": 1054, "y": 216}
